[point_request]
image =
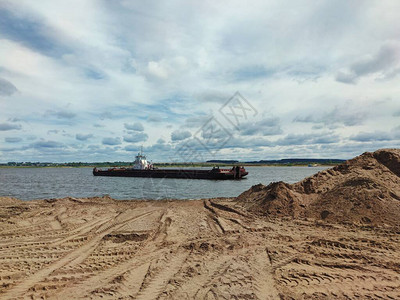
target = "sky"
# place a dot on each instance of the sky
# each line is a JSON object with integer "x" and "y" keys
{"x": 96, "y": 80}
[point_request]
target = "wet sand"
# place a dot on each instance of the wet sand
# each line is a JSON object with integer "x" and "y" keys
{"x": 199, "y": 249}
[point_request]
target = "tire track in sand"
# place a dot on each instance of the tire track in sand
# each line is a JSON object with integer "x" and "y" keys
{"x": 20, "y": 288}
{"x": 120, "y": 280}
{"x": 155, "y": 282}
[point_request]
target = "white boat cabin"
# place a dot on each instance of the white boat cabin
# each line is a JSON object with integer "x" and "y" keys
{"x": 141, "y": 163}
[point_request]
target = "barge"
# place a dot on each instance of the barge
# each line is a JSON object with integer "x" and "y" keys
{"x": 142, "y": 168}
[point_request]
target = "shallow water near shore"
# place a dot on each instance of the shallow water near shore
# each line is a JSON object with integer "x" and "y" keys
{"x": 40, "y": 183}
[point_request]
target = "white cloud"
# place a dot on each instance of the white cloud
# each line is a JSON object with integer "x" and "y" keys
{"x": 180, "y": 135}
{"x": 9, "y": 126}
{"x": 136, "y": 137}
{"x": 83, "y": 137}
{"x": 108, "y": 70}
{"x": 111, "y": 141}
{"x": 135, "y": 126}
{"x": 385, "y": 64}
{"x": 12, "y": 139}
{"x": 157, "y": 70}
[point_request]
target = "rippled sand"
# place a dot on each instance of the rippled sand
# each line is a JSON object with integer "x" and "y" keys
{"x": 199, "y": 249}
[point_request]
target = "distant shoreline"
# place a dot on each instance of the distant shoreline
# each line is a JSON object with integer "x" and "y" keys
{"x": 174, "y": 166}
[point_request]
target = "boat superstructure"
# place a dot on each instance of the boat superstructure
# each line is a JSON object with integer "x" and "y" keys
{"x": 141, "y": 162}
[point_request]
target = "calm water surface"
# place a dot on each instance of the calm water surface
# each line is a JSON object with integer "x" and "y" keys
{"x": 40, "y": 183}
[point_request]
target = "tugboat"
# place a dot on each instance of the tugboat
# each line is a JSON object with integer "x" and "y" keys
{"x": 142, "y": 168}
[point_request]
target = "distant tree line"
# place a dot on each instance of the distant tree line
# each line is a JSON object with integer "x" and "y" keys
{"x": 280, "y": 162}
{"x": 67, "y": 164}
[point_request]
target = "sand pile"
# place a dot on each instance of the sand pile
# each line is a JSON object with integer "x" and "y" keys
{"x": 365, "y": 189}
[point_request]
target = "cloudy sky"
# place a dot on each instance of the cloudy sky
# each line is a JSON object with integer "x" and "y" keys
{"x": 94, "y": 80}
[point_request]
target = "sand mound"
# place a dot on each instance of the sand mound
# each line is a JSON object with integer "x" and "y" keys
{"x": 365, "y": 189}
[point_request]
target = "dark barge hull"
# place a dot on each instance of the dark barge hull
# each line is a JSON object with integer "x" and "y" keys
{"x": 215, "y": 174}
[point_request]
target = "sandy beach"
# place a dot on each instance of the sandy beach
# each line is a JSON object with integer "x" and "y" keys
{"x": 255, "y": 246}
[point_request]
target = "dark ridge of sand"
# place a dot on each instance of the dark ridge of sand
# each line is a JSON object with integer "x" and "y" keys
{"x": 365, "y": 189}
